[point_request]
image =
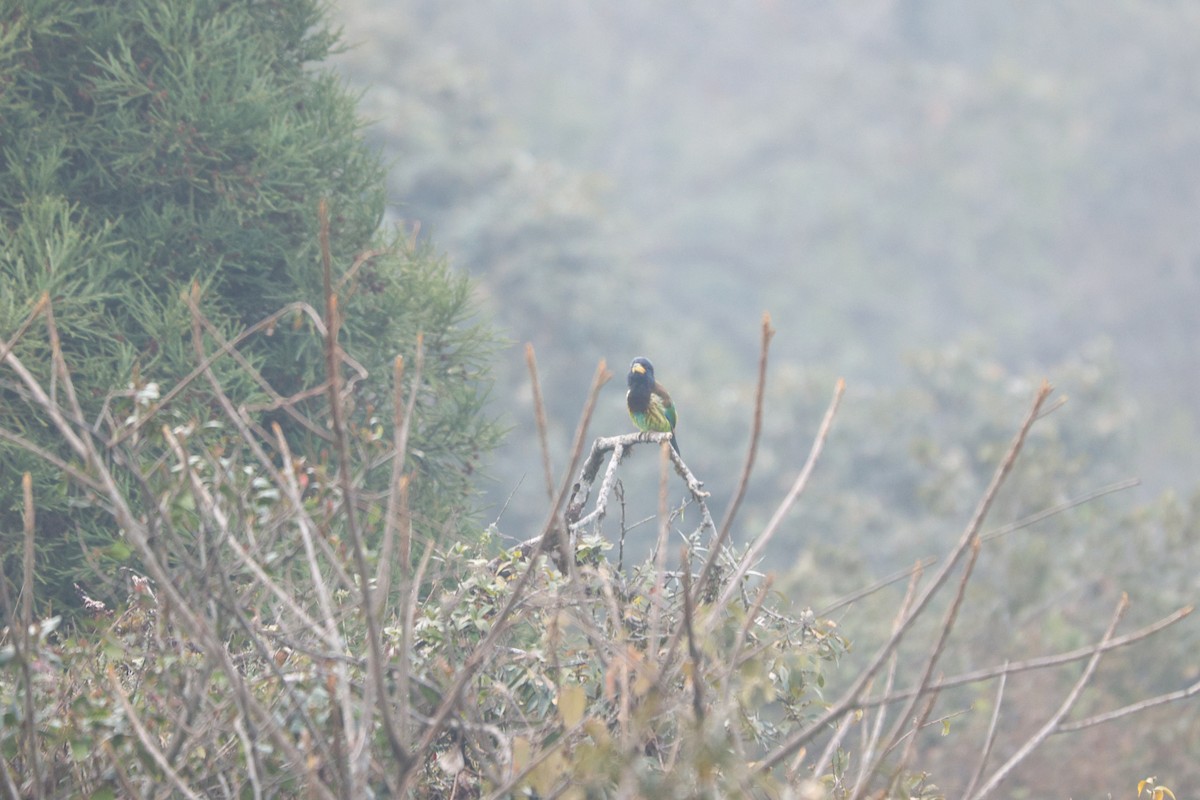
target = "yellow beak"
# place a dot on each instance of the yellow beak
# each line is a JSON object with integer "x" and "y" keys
{"x": 638, "y": 368}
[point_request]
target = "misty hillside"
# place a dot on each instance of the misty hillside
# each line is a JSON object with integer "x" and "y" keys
{"x": 943, "y": 206}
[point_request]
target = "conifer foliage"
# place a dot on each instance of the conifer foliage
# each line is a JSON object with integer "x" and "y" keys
{"x": 150, "y": 144}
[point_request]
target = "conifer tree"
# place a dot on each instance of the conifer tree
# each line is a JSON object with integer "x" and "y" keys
{"x": 149, "y": 144}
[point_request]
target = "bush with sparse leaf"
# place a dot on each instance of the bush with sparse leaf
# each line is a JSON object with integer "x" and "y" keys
{"x": 296, "y": 634}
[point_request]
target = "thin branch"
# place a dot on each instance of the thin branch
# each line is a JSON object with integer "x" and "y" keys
{"x": 1024, "y": 522}
{"x": 499, "y": 625}
{"x": 146, "y": 739}
{"x": 74, "y": 472}
{"x": 225, "y": 349}
{"x": 1034, "y": 741}
{"x": 1066, "y": 505}
{"x": 341, "y": 438}
{"x": 940, "y": 645}
{"x": 1041, "y": 662}
{"x": 21, "y": 628}
{"x": 600, "y": 510}
{"x": 658, "y": 592}
{"x": 850, "y": 699}
{"x": 760, "y": 543}
{"x": 869, "y": 762}
{"x": 751, "y": 453}
{"x": 871, "y": 742}
{"x": 697, "y": 674}
{"x": 1132, "y": 708}
{"x": 539, "y": 416}
{"x": 619, "y": 446}
{"x": 39, "y": 307}
{"x": 882, "y": 583}
{"x": 825, "y": 760}
{"x": 990, "y": 740}
{"x": 28, "y": 519}
{"x": 359, "y": 260}
{"x": 910, "y": 742}
{"x": 398, "y": 511}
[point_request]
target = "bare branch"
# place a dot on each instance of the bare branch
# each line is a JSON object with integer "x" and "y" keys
{"x": 1034, "y": 741}
{"x": 739, "y": 494}
{"x": 1132, "y": 708}
{"x": 1042, "y": 662}
{"x": 697, "y": 672}
{"x": 148, "y": 743}
{"x": 398, "y": 512}
{"x": 990, "y": 739}
{"x": 39, "y": 308}
{"x": 484, "y": 649}
{"x": 939, "y": 646}
{"x": 849, "y": 699}
{"x": 539, "y": 416}
{"x": 341, "y": 437}
{"x": 760, "y": 543}
{"x": 228, "y": 348}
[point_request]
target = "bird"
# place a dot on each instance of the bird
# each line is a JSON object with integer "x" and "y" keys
{"x": 649, "y": 404}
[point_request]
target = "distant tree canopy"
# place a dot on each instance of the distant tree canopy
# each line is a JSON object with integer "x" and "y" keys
{"x": 148, "y": 144}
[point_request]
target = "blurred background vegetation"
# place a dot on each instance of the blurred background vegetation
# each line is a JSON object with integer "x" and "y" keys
{"x": 942, "y": 204}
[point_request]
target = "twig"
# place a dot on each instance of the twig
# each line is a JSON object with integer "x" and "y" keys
{"x": 82, "y": 478}
{"x": 227, "y": 348}
{"x": 398, "y": 511}
{"x": 1034, "y": 741}
{"x": 252, "y": 760}
{"x": 359, "y": 260}
{"x": 499, "y": 625}
{"x": 28, "y": 518}
{"x": 341, "y": 437}
{"x": 1042, "y": 662}
{"x": 882, "y": 583}
{"x": 658, "y": 592}
{"x": 751, "y": 453}
{"x": 871, "y": 742}
{"x": 291, "y": 490}
{"x": 618, "y": 446}
{"x": 831, "y": 748}
{"x": 1066, "y": 505}
{"x": 9, "y": 783}
{"x": 850, "y": 698}
{"x": 39, "y": 307}
{"x": 910, "y": 742}
{"x": 685, "y": 570}
{"x": 1024, "y": 522}
{"x": 600, "y": 510}
{"x": 990, "y": 739}
{"x": 146, "y": 739}
{"x": 21, "y": 628}
{"x": 936, "y": 651}
{"x": 539, "y": 416}
{"x": 869, "y": 763}
{"x": 1132, "y": 708}
{"x": 760, "y": 543}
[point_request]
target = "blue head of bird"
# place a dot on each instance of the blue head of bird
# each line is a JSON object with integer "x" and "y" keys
{"x": 641, "y": 374}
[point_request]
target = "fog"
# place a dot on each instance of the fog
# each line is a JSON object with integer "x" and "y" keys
{"x": 942, "y": 203}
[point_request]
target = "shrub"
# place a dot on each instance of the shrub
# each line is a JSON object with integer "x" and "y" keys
{"x": 295, "y": 635}
{"x": 149, "y": 145}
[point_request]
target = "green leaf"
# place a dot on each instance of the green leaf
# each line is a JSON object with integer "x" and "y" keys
{"x": 118, "y": 550}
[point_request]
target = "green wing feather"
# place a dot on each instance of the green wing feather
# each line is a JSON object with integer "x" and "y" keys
{"x": 657, "y": 417}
